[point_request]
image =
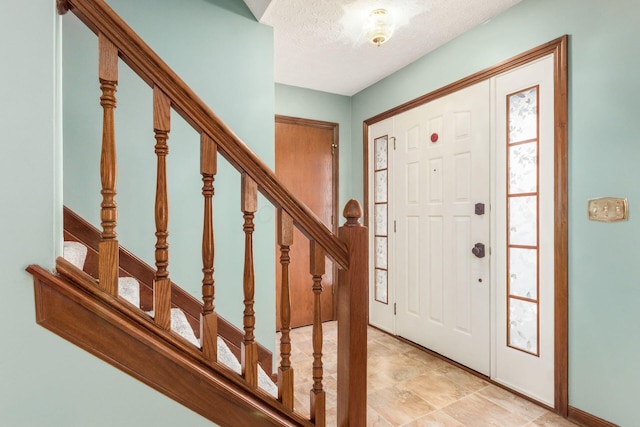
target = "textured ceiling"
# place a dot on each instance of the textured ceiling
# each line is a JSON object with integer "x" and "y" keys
{"x": 319, "y": 44}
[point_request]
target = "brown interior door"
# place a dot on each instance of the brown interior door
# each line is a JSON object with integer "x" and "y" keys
{"x": 307, "y": 164}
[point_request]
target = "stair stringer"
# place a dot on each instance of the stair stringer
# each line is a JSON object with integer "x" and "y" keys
{"x": 70, "y": 305}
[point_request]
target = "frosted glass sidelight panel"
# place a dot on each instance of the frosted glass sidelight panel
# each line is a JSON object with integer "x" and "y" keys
{"x": 523, "y": 325}
{"x": 380, "y": 187}
{"x": 381, "y": 252}
{"x": 380, "y": 153}
{"x": 381, "y": 286}
{"x": 380, "y": 219}
{"x": 523, "y": 115}
{"x": 523, "y": 168}
{"x": 523, "y": 225}
{"x": 523, "y": 272}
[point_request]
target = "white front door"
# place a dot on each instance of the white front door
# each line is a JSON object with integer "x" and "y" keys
{"x": 439, "y": 198}
{"x": 491, "y": 143}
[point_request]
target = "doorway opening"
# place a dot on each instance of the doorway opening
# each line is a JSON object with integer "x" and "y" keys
{"x": 306, "y": 162}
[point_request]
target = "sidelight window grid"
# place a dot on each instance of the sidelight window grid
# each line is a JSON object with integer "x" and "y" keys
{"x": 523, "y": 228}
{"x": 381, "y": 218}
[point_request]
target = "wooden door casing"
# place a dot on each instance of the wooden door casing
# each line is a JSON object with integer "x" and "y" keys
{"x": 306, "y": 159}
{"x": 559, "y": 49}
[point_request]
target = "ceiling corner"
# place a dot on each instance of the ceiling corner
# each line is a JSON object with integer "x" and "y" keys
{"x": 258, "y": 7}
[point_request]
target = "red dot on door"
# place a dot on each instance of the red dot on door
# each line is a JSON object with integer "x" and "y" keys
{"x": 434, "y": 137}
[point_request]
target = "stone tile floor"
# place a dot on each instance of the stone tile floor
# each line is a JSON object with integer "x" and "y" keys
{"x": 409, "y": 387}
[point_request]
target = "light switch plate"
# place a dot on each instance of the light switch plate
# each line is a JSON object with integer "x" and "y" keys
{"x": 608, "y": 209}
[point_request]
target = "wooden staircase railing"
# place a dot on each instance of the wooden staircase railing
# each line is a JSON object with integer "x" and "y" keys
{"x": 349, "y": 250}
{"x": 76, "y": 229}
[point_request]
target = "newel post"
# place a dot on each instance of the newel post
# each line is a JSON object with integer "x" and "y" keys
{"x": 353, "y": 317}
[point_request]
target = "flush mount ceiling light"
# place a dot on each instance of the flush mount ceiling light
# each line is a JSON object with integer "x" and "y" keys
{"x": 379, "y": 26}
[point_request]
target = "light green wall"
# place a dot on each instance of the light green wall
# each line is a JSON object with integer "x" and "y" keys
{"x": 44, "y": 380}
{"x": 604, "y": 291}
{"x": 315, "y": 105}
{"x": 227, "y": 59}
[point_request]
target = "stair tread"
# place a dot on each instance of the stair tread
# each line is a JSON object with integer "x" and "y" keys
{"x": 75, "y": 253}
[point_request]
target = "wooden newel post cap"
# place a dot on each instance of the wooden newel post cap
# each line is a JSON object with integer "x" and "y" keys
{"x": 352, "y": 212}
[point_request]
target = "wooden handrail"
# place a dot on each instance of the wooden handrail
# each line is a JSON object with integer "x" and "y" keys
{"x": 101, "y": 19}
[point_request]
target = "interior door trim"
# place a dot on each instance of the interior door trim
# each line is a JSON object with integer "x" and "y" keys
{"x": 558, "y": 48}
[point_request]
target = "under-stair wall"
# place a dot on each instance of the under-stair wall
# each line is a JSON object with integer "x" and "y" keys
{"x": 44, "y": 379}
{"x": 227, "y": 58}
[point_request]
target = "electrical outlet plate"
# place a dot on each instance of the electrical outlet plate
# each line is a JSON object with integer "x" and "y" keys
{"x": 608, "y": 209}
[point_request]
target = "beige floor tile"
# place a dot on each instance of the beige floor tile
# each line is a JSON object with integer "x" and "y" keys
{"x": 374, "y": 419}
{"x": 398, "y": 405}
{"x": 395, "y": 367}
{"x": 303, "y": 348}
{"x": 373, "y": 334}
{"x": 298, "y": 334}
{"x": 395, "y": 344}
{"x": 551, "y": 420}
{"x": 436, "y": 389}
{"x": 434, "y": 419}
{"x": 429, "y": 361}
{"x": 462, "y": 377}
{"x": 475, "y": 411}
{"x": 512, "y": 403}
{"x": 376, "y": 378}
{"x": 376, "y": 349}
{"x": 330, "y": 385}
{"x": 330, "y": 327}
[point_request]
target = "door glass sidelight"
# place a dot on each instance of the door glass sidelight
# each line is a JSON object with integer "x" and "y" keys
{"x": 381, "y": 227}
{"x": 522, "y": 221}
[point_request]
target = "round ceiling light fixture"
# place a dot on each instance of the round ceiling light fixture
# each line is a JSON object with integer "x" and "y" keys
{"x": 379, "y": 26}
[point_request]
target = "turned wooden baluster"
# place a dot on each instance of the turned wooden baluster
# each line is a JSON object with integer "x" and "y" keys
{"x": 209, "y": 317}
{"x": 161, "y": 281}
{"x": 285, "y": 371}
{"x": 249, "y": 357}
{"x": 108, "y": 247}
{"x": 318, "y": 395}
{"x": 353, "y": 291}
